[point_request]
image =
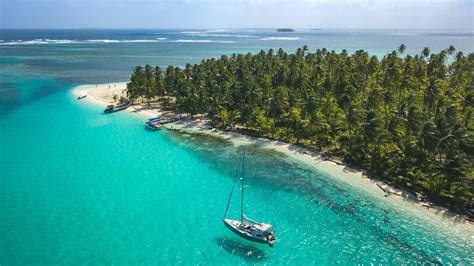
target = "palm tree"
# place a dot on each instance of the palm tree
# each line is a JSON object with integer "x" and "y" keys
{"x": 427, "y": 136}
{"x": 431, "y": 94}
{"x": 135, "y": 88}
{"x": 401, "y": 49}
{"x": 294, "y": 116}
{"x": 149, "y": 90}
{"x": 412, "y": 118}
{"x": 425, "y": 52}
{"x": 459, "y": 56}
{"x": 159, "y": 82}
{"x": 279, "y": 102}
{"x": 451, "y": 50}
{"x": 304, "y": 49}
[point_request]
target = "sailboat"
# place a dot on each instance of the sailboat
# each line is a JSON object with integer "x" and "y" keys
{"x": 246, "y": 227}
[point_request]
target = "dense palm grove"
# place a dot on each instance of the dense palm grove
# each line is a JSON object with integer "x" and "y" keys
{"x": 406, "y": 119}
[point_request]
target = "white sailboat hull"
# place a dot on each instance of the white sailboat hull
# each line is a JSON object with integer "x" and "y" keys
{"x": 250, "y": 232}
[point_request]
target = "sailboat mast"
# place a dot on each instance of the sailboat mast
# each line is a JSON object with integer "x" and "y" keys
{"x": 233, "y": 185}
{"x": 242, "y": 188}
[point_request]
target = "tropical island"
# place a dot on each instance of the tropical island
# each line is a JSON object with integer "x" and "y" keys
{"x": 405, "y": 119}
{"x": 287, "y": 132}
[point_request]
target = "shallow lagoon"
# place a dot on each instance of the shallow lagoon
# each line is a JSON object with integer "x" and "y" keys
{"x": 80, "y": 186}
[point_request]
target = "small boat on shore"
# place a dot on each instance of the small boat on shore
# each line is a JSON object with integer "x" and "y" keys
{"x": 81, "y": 97}
{"x": 119, "y": 107}
{"x": 154, "y": 123}
{"x": 246, "y": 227}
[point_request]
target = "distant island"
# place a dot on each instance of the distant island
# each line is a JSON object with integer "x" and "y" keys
{"x": 285, "y": 30}
{"x": 405, "y": 119}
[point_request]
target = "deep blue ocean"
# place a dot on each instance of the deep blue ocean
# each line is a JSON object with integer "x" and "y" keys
{"x": 81, "y": 187}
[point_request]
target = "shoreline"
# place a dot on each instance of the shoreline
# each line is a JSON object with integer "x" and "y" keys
{"x": 102, "y": 94}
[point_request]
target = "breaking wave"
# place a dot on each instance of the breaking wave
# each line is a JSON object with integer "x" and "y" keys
{"x": 280, "y": 38}
{"x": 190, "y": 32}
{"x": 37, "y": 41}
{"x": 215, "y": 33}
{"x": 217, "y": 30}
{"x": 52, "y": 41}
{"x": 203, "y": 41}
{"x": 118, "y": 41}
{"x": 221, "y": 35}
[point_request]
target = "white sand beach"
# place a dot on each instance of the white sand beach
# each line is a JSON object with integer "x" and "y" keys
{"x": 103, "y": 94}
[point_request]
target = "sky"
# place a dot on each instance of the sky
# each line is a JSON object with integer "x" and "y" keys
{"x": 215, "y": 14}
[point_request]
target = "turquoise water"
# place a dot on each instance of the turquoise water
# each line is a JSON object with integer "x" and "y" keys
{"x": 79, "y": 187}
{"x": 82, "y": 187}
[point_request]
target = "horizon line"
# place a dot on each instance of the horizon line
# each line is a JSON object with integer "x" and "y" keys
{"x": 234, "y": 28}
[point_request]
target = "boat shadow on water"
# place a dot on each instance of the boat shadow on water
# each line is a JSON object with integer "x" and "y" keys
{"x": 239, "y": 248}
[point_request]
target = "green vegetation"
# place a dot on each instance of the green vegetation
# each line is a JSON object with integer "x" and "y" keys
{"x": 405, "y": 119}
